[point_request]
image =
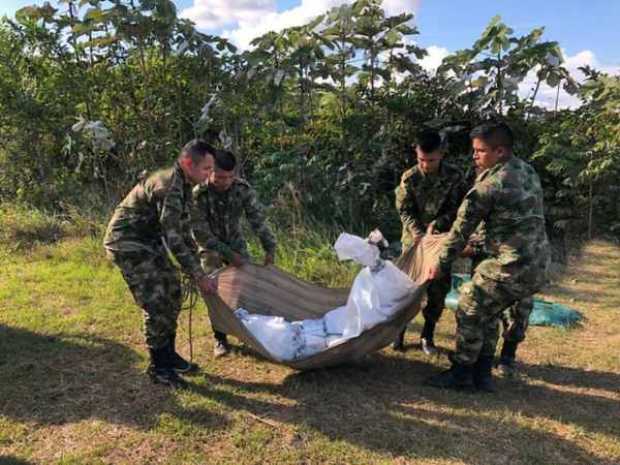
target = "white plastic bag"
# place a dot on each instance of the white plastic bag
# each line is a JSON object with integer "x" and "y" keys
{"x": 378, "y": 290}
{"x": 350, "y": 247}
{"x": 335, "y": 321}
{"x": 393, "y": 287}
{"x": 279, "y": 337}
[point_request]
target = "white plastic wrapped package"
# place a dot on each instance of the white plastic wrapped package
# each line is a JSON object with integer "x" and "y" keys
{"x": 335, "y": 321}
{"x": 279, "y": 337}
{"x": 350, "y": 247}
{"x": 313, "y": 337}
{"x": 378, "y": 291}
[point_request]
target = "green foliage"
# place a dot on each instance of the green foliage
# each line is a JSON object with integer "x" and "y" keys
{"x": 322, "y": 115}
{"x": 581, "y": 149}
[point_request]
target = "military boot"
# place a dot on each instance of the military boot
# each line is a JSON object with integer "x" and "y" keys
{"x": 179, "y": 364}
{"x": 507, "y": 366}
{"x": 458, "y": 377}
{"x": 399, "y": 342}
{"x": 483, "y": 376}
{"x": 221, "y": 347}
{"x": 160, "y": 370}
{"x": 427, "y": 338}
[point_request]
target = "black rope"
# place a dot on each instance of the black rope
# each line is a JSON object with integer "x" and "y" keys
{"x": 190, "y": 299}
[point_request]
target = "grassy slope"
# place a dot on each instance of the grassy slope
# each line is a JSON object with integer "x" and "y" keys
{"x": 72, "y": 389}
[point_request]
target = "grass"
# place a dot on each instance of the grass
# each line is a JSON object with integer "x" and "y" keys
{"x": 72, "y": 389}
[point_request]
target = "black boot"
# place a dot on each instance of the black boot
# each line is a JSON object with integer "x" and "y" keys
{"x": 160, "y": 370}
{"x": 399, "y": 342}
{"x": 427, "y": 338}
{"x": 221, "y": 347}
{"x": 458, "y": 377}
{"x": 483, "y": 377}
{"x": 506, "y": 364}
{"x": 179, "y": 364}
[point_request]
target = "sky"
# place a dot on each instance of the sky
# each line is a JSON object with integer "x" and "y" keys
{"x": 588, "y": 31}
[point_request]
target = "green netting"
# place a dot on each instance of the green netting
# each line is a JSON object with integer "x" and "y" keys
{"x": 544, "y": 313}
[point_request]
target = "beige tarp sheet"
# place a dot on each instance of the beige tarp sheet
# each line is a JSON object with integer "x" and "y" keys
{"x": 271, "y": 291}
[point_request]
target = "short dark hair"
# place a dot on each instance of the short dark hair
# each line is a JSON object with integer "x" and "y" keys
{"x": 197, "y": 149}
{"x": 494, "y": 133}
{"x": 225, "y": 160}
{"x": 428, "y": 141}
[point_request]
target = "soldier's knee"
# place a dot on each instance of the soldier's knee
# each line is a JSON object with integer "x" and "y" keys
{"x": 465, "y": 318}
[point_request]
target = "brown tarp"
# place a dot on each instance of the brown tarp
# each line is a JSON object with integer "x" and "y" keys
{"x": 271, "y": 291}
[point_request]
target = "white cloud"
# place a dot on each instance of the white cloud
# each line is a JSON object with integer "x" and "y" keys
{"x": 546, "y": 95}
{"x": 435, "y": 55}
{"x": 216, "y": 14}
{"x": 244, "y": 20}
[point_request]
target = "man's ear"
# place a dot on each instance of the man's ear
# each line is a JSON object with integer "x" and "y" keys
{"x": 186, "y": 162}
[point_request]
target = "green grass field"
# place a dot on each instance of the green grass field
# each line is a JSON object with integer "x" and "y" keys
{"x": 72, "y": 388}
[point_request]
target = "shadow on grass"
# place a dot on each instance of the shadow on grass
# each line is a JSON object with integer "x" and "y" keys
{"x": 568, "y": 376}
{"x": 10, "y": 460}
{"x": 65, "y": 378}
{"x": 382, "y": 406}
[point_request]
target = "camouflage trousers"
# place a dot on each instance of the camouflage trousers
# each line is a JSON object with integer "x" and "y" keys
{"x": 515, "y": 319}
{"x": 155, "y": 285}
{"x": 481, "y": 304}
{"x": 436, "y": 298}
{"x": 211, "y": 261}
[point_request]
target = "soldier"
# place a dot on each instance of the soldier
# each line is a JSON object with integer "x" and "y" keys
{"x": 218, "y": 207}
{"x": 514, "y": 319}
{"x": 427, "y": 200}
{"x": 508, "y": 198}
{"x": 150, "y": 221}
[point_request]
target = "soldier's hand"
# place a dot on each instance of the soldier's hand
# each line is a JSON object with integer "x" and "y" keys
{"x": 467, "y": 252}
{"x": 431, "y": 228}
{"x": 434, "y": 272}
{"x": 237, "y": 260}
{"x": 207, "y": 285}
{"x": 268, "y": 260}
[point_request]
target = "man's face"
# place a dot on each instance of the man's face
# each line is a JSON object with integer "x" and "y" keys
{"x": 199, "y": 172}
{"x": 221, "y": 180}
{"x": 429, "y": 162}
{"x": 486, "y": 156}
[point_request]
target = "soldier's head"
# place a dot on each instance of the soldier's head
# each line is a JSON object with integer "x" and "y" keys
{"x": 223, "y": 175}
{"x": 196, "y": 160}
{"x": 428, "y": 151}
{"x": 491, "y": 144}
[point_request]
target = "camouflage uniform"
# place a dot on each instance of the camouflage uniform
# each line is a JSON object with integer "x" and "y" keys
{"x": 515, "y": 319}
{"x": 508, "y": 198}
{"x": 216, "y": 223}
{"x": 420, "y": 200}
{"x": 156, "y": 211}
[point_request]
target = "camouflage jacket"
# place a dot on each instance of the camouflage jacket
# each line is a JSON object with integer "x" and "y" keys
{"x": 508, "y": 198}
{"x": 157, "y": 209}
{"x": 216, "y": 219}
{"x": 477, "y": 239}
{"x": 422, "y": 199}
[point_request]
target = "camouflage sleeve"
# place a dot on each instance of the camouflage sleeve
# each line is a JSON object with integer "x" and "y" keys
{"x": 477, "y": 242}
{"x": 175, "y": 229}
{"x": 203, "y": 234}
{"x": 473, "y": 210}
{"x": 408, "y": 210}
{"x": 455, "y": 196}
{"x": 256, "y": 217}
